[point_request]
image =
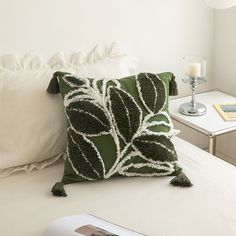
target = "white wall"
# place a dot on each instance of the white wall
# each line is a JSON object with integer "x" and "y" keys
{"x": 224, "y": 52}
{"x": 158, "y": 32}
{"x": 220, "y": 4}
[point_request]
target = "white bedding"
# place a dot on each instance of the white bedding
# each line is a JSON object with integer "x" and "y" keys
{"x": 148, "y": 205}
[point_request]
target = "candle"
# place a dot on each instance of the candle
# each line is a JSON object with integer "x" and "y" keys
{"x": 195, "y": 69}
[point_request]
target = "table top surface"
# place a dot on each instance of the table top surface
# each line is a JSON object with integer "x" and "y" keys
{"x": 211, "y": 123}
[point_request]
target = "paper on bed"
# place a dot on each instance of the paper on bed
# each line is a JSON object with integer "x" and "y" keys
{"x": 86, "y": 225}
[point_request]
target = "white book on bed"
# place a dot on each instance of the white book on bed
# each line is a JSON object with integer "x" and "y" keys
{"x": 86, "y": 225}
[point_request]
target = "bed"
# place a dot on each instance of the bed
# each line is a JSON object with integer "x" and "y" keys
{"x": 148, "y": 205}
{"x": 33, "y": 137}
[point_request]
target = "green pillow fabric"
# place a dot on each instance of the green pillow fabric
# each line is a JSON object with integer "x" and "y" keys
{"x": 117, "y": 127}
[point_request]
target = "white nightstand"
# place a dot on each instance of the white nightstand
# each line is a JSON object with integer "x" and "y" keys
{"x": 211, "y": 124}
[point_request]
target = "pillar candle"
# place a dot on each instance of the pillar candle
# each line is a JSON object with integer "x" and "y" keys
{"x": 195, "y": 69}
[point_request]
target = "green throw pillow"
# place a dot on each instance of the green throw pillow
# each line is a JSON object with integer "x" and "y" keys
{"x": 117, "y": 127}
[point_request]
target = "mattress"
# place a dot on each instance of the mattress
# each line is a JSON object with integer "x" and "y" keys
{"x": 148, "y": 205}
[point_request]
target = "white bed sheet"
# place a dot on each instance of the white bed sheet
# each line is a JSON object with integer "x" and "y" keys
{"x": 148, "y": 205}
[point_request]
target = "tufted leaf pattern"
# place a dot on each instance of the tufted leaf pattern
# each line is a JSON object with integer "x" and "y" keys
{"x": 152, "y": 92}
{"x": 87, "y": 118}
{"x": 156, "y": 147}
{"x": 84, "y": 157}
{"x": 126, "y": 113}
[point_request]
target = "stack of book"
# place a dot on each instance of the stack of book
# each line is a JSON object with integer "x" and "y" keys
{"x": 227, "y": 111}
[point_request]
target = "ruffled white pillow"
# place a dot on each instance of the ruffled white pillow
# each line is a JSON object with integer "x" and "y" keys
{"x": 32, "y": 124}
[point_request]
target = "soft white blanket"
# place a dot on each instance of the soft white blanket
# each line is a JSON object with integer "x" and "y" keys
{"x": 147, "y": 205}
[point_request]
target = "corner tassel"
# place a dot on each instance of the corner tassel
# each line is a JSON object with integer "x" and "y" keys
{"x": 53, "y": 87}
{"x": 58, "y": 190}
{"x": 173, "y": 90}
{"x": 181, "y": 180}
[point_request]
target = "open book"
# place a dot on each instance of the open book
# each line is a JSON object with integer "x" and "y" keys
{"x": 86, "y": 225}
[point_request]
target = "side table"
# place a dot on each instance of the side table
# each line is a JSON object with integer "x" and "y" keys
{"x": 211, "y": 124}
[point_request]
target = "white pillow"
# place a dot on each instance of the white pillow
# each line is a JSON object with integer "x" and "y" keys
{"x": 32, "y": 122}
{"x": 103, "y": 61}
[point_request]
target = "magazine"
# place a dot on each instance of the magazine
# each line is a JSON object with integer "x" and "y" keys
{"x": 227, "y": 111}
{"x": 86, "y": 225}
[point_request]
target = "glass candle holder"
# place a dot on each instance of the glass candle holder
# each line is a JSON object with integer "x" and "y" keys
{"x": 194, "y": 74}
